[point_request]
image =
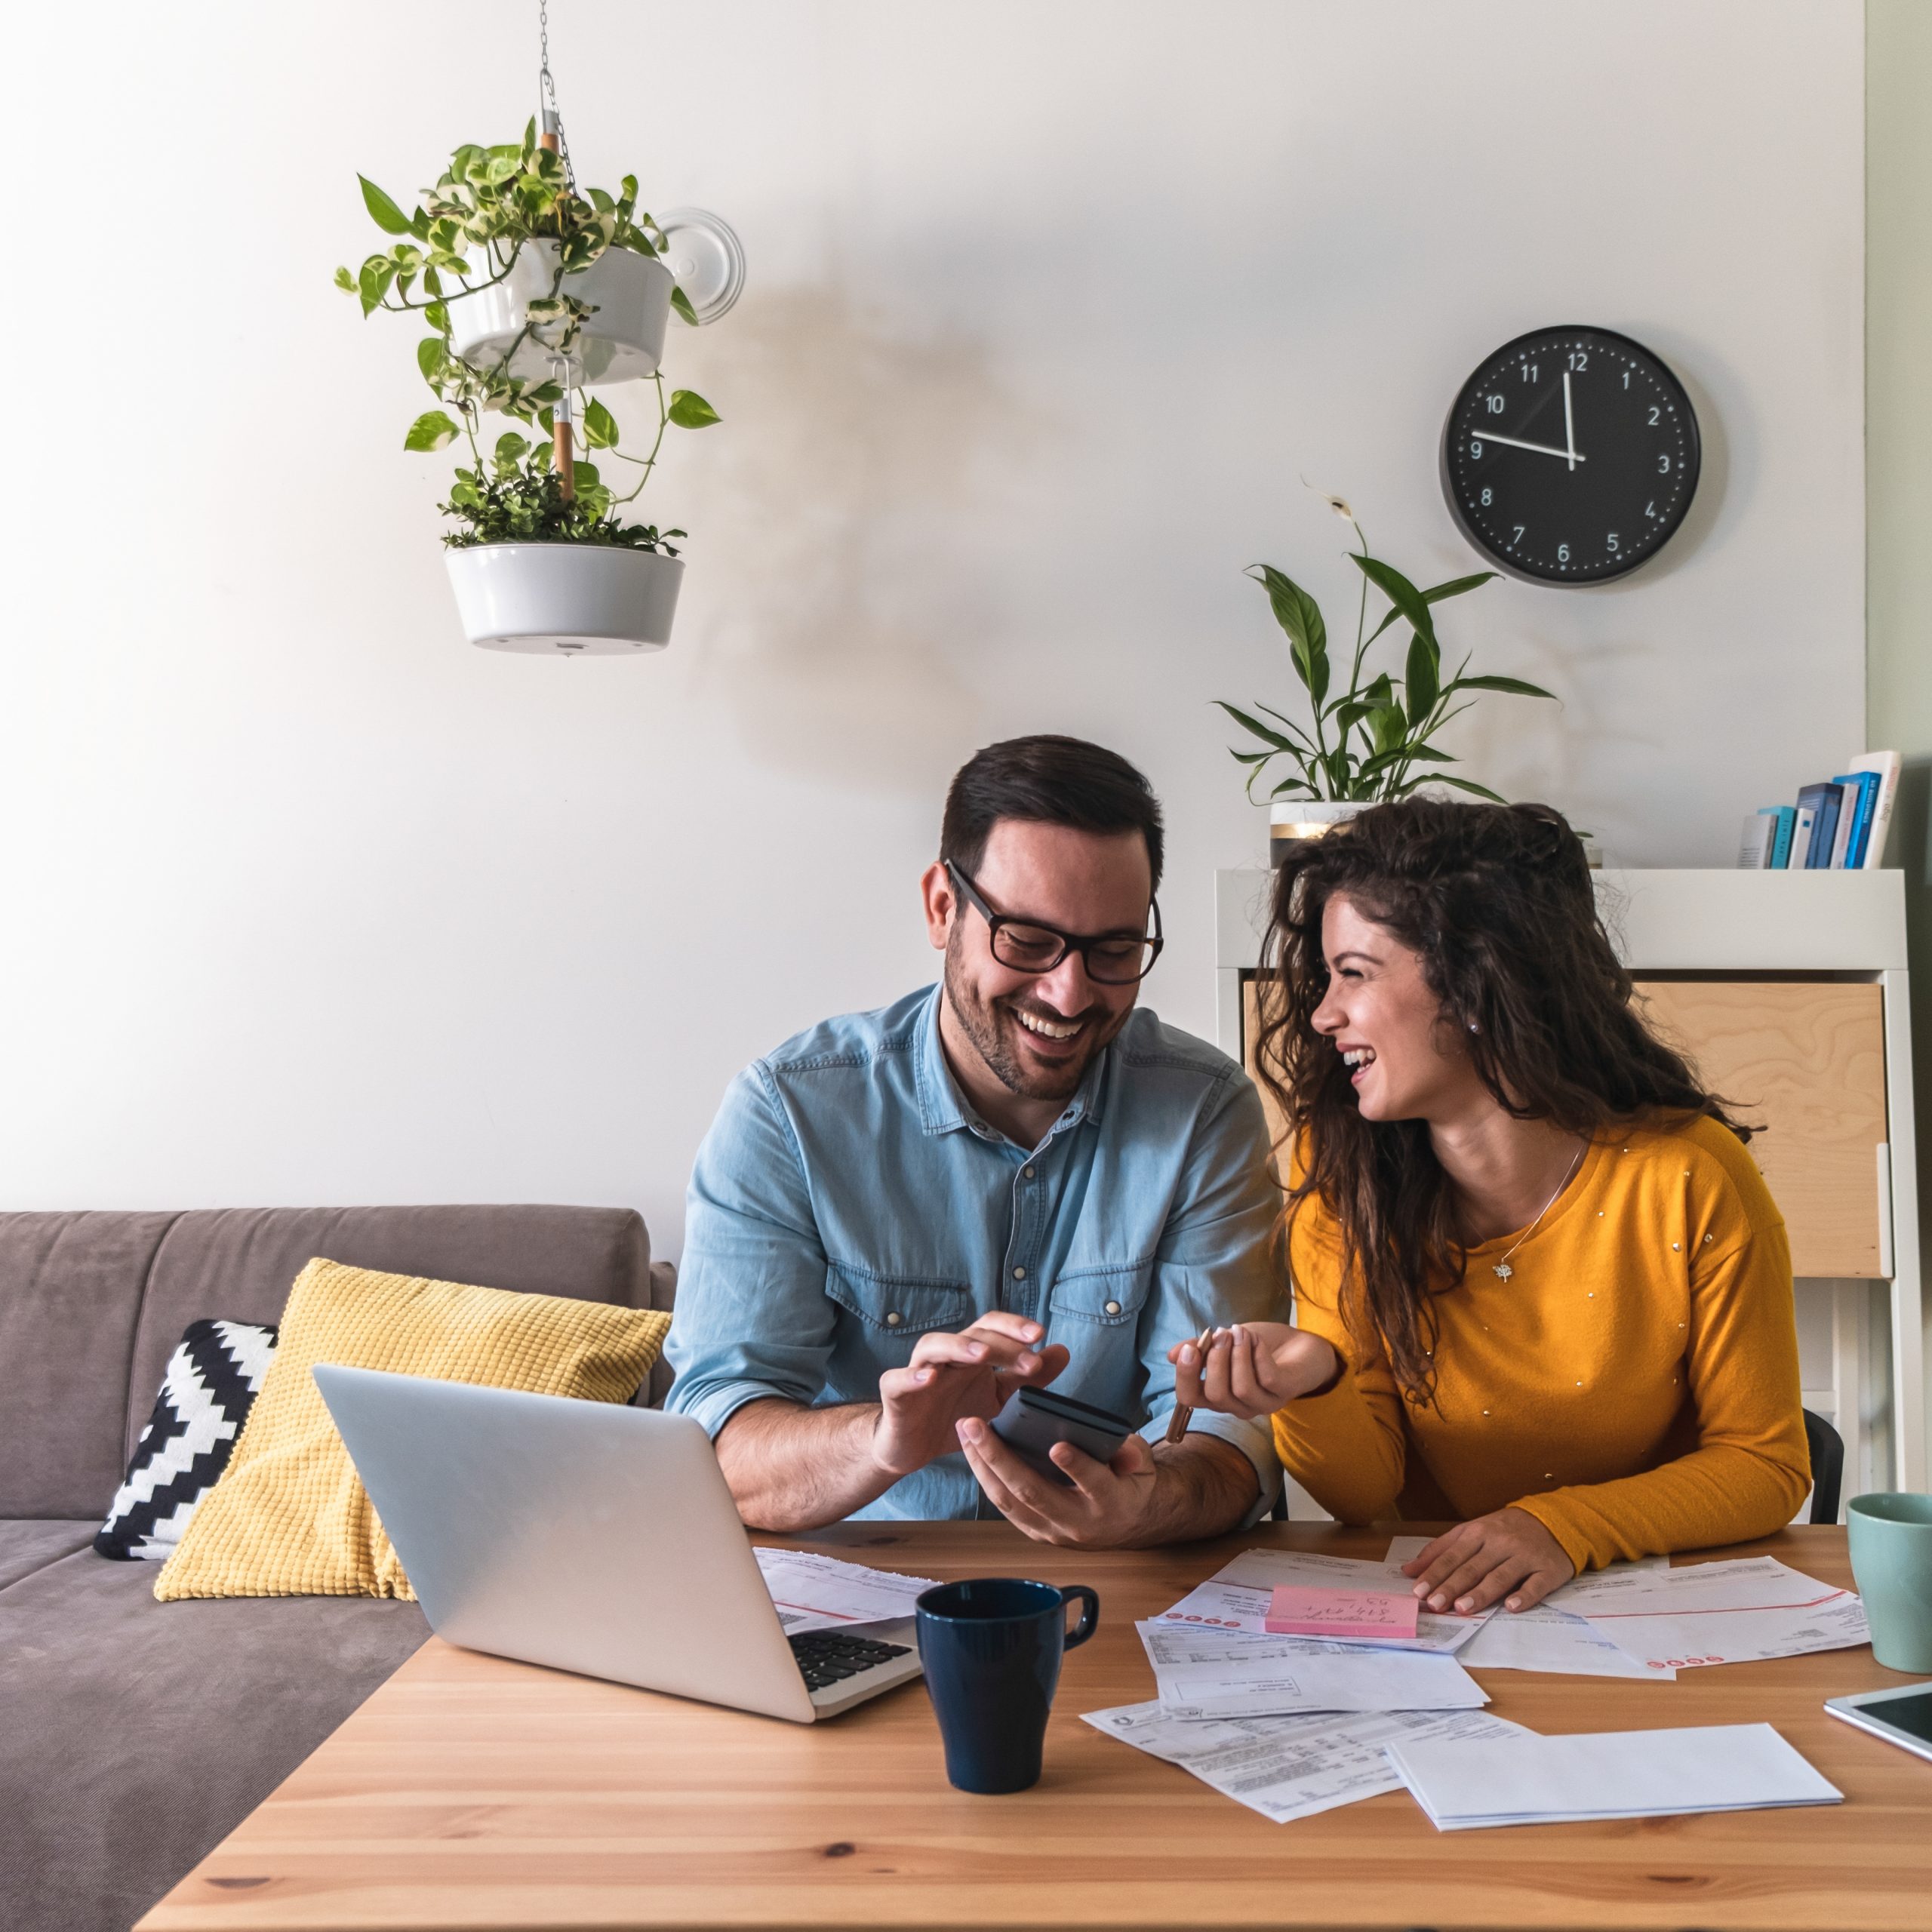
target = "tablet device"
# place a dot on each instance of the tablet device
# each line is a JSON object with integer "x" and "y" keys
{"x": 1902, "y": 1717}
{"x": 1034, "y": 1419}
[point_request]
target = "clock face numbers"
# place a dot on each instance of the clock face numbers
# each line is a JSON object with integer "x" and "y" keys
{"x": 1571, "y": 456}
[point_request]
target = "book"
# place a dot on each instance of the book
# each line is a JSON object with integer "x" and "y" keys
{"x": 1823, "y": 801}
{"x": 1885, "y": 765}
{"x": 1754, "y": 847}
{"x": 1800, "y": 836}
{"x": 1864, "y": 788}
{"x": 1782, "y": 818}
{"x": 1841, "y": 832}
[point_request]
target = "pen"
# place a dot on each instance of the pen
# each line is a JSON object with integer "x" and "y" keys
{"x": 1183, "y": 1414}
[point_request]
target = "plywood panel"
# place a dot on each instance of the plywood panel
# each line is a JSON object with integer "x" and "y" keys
{"x": 1804, "y": 1059}
{"x": 1251, "y": 1031}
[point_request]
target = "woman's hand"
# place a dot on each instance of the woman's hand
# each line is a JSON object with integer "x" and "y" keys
{"x": 1474, "y": 1563}
{"x": 1251, "y": 1369}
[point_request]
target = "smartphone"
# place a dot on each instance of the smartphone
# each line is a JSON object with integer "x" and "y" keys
{"x": 1902, "y": 1717}
{"x": 1034, "y": 1419}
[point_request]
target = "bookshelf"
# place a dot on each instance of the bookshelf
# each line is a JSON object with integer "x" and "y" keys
{"x": 1790, "y": 989}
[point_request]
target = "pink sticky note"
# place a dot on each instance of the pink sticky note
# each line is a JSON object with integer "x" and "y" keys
{"x": 1347, "y": 1615}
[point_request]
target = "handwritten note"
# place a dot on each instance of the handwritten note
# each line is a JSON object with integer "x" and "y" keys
{"x": 1346, "y": 1616}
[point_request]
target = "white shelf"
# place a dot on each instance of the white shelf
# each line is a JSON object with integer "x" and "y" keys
{"x": 1681, "y": 920}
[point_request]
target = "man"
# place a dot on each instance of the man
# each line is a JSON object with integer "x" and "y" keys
{"x": 1014, "y": 1177}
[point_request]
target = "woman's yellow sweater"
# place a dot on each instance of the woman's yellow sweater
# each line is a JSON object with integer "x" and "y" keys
{"x": 1633, "y": 1384}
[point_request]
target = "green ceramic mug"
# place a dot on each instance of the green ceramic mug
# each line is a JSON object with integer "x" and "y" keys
{"x": 1891, "y": 1563}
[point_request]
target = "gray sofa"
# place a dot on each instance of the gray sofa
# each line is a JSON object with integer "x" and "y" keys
{"x": 135, "y": 1735}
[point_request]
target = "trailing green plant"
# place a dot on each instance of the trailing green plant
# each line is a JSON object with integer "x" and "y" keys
{"x": 465, "y": 235}
{"x": 1366, "y": 742}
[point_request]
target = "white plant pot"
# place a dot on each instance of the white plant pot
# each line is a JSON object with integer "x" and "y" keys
{"x": 581, "y": 599}
{"x": 622, "y": 340}
{"x": 1290, "y": 819}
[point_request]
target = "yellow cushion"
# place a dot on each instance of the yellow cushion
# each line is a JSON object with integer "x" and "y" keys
{"x": 290, "y": 1516}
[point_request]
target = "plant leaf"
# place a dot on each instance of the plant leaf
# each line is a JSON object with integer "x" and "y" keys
{"x": 1300, "y": 617}
{"x": 432, "y": 430}
{"x": 1515, "y": 684}
{"x": 585, "y": 476}
{"x": 689, "y": 411}
{"x": 1282, "y": 719}
{"x": 599, "y": 426}
{"x": 1456, "y": 586}
{"x": 1254, "y": 724}
{"x": 681, "y": 303}
{"x": 1400, "y": 591}
{"x": 1431, "y": 754}
{"x": 1420, "y": 680}
{"x": 1295, "y": 785}
{"x": 1462, "y": 785}
{"x": 343, "y": 279}
{"x": 430, "y": 356}
{"x": 386, "y": 215}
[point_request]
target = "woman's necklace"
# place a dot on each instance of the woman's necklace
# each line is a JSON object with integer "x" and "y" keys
{"x": 1502, "y": 1269}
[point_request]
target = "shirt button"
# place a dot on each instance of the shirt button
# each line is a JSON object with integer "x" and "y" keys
{"x": 1113, "y": 1308}
{"x": 893, "y": 1318}
{"x": 1020, "y": 1274}
{"x": 1029, "y": 1173}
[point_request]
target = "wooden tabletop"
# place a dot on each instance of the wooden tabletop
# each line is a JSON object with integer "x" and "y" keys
{"x": 473, "y": 1791}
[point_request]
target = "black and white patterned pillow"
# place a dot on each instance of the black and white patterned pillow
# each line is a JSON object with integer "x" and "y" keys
{"x": 206, "y": 1396}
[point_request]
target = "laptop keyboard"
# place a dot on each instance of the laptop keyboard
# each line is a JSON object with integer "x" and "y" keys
{"x": 829, "y": 1656}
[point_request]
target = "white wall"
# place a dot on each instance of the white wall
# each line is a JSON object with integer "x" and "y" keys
{"x": 1050, "y": 307}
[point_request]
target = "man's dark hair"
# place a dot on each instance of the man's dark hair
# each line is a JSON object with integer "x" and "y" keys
{"x": 1048, "y": 780}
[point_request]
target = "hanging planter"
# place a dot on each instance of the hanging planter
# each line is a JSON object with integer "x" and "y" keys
{"x": 535, "y": 290}
{"x": 620, "y": 340}
{"x": 589, "y": 600}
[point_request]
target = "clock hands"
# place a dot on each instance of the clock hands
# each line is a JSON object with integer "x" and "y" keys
{"x": 1569, "y": 425}
{"x": 1541, "y": 449}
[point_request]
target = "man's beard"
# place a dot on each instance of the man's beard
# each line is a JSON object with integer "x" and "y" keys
{"x": 986, "y": 1023}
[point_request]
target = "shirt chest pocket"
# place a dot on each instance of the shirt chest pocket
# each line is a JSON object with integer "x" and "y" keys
{"x": 1109, "y": 1297}
{"x": 899, "y": 1307}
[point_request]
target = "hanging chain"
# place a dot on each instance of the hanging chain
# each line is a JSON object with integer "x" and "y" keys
{"x": 547, "y": 92}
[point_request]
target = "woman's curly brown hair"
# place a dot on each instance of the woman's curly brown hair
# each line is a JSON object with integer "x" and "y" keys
{"x": 1497, "y": 901}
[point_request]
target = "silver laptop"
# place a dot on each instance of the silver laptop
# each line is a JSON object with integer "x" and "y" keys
{"x": 592, "y": 1538}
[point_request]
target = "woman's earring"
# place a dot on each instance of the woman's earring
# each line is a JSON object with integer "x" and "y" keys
{"x": 1474, "y": 1027}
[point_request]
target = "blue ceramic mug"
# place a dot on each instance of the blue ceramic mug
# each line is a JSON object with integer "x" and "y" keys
{"x": 991, "y": 1650}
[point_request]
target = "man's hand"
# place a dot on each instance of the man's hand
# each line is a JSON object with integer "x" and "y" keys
{"x": 1107, "y": 1506}
{"x": 1198, "y": 1489}
{"x": 1251, "y": 1369}
{"x": 952, "y": 1377}
{"x": 1473, "y": 1565}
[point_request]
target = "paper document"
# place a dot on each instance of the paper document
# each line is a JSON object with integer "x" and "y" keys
{"x": 1466, "y": 1783}
{"x": 1701, "y": 1614}
{"x": 1290, "y": 1767}
{"x": 1546, "y": 1638}
{"x": 1228, "y": 1674}
{"x": 1238, "y": 1595}
{"x": 813, "y": 1592}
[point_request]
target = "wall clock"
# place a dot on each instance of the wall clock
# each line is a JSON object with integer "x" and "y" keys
{"x": 1571, "y": 456}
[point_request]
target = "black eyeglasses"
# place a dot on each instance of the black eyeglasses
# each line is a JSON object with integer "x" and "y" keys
{"x": 1111, "y": 959}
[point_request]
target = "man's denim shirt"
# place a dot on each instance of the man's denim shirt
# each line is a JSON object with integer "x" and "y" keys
{"x": 848, "y": 1200}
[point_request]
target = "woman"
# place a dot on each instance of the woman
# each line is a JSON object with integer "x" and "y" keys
{"x": 1541, "y": 1288}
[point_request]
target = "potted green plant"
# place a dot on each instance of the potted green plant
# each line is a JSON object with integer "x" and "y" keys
{"x": 531, "y": 290}
{"x": 1375, "y": 739}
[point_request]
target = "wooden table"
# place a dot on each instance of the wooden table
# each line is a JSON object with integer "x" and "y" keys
{"x": 473, "y": 1791}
